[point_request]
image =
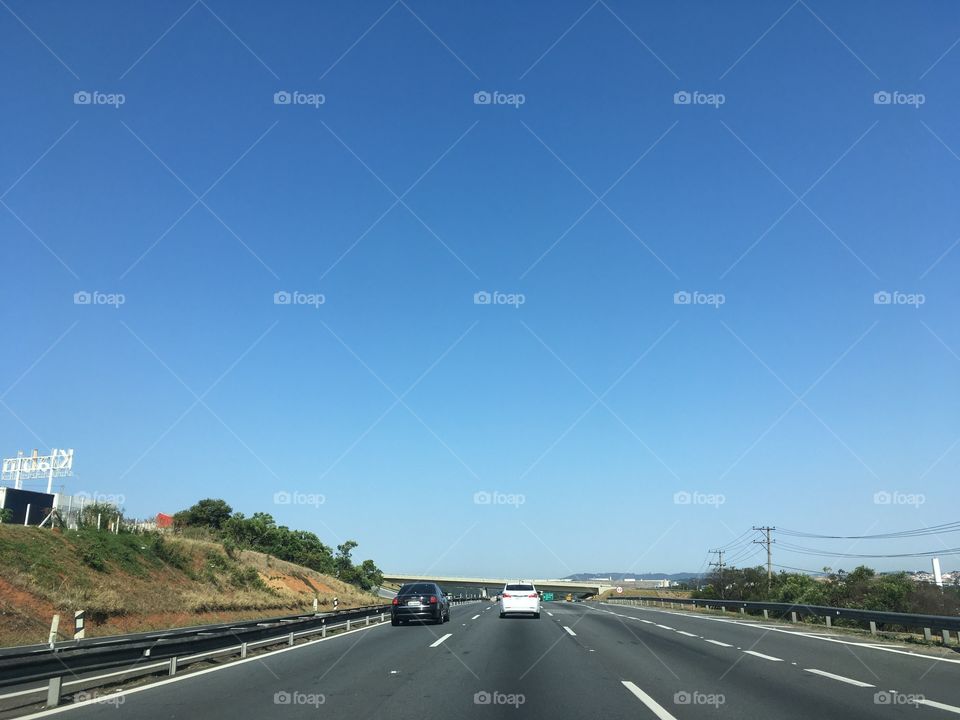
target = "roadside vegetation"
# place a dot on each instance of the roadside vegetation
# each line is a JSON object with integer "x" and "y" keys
{"x": 214, "y": 519}
{"x": 862, "y": 588}
{"x": 214, "y": 566}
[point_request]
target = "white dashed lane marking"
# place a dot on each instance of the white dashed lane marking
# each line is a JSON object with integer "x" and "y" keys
{"x": 765, "y": 657}
{"x": 655, "y": 707}
{"x": 441, "y": 640}
{"x": 841, "y": 678}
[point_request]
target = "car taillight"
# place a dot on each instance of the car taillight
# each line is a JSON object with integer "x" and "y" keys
{"x": 506, "y": 595}
{"x": 532, "y": 595}
{"x": 396, "y": 601}
{"x": 433, "y": 598}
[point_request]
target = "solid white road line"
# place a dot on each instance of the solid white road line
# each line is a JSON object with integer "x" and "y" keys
{"x": 569, "y": 630}
{"x": 441, "y": 640}
{"x": 474, "y": 617}
{"x": 655, "y": 707}
{"x": 841, "y": 678}
{"x": 189, "y": 676}
{"x": 812, "y": 636}
{"x": 665, "y": 627}
{"x": 684, "y": 632}
{"x": 939, "y": 705}
{"x": 717, "y": 642}
{"x": 761, "y": 655}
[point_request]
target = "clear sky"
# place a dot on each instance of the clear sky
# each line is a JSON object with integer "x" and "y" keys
{"x": 587, "y": 193}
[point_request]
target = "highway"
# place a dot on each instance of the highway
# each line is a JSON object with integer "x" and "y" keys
{"x": 580, "y": 660}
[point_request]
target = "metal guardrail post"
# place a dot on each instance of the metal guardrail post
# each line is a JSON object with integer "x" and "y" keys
{"x": 766, "y": 614}
{"x": 172, "y": 667}
{"x": 53, "y": 692}
{"x": 927, "y": 635}
{"x": 366, "y": 620}
{"x": 348, "y": 624}
{"x": 243, "y": 650}
{"x": 290, "y": 639}
{"x": 793, "y": 616}
{"x": 323, "y": 631}
{"x": 945, "y": 635}
{"x": 827, "y": 618}
{"x": 743, "y": 611}
{"x": 383, "y": 617}
{"x": 873, "y": 627}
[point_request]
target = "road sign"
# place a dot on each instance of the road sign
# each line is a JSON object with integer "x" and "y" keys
{"x": 619, "y": 589}
{"x": 547, "y": 596}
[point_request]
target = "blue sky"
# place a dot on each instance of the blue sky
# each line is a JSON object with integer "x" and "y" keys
{"x": 794, "y": 197}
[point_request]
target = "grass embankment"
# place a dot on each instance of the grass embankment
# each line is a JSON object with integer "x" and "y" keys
{"x": 645, "y": 593}
{"x": 128, "y": 583}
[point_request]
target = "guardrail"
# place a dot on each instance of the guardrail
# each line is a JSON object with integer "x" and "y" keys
{"x": 180, "y": 647}
{"x": 876, "y": 619}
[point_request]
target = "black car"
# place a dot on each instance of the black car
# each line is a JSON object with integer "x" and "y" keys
{"x": 420, "y": 601}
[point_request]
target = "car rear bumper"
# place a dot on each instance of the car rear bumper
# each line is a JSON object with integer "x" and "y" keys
{"x": 508, "y": 608}
{"x": 424, "y": 612}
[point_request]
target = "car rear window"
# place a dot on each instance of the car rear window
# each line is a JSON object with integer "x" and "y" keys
{"x": 528, "y": 588}
{"x": 417, "y": 588}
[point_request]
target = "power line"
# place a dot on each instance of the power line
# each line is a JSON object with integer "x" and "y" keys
{"x": 917, "y": 532}
{"x": 826, "y": 553}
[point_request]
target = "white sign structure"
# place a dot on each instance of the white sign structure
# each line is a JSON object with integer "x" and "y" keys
{"x": 619, "y": 589}
{"x": 59, "y": 463}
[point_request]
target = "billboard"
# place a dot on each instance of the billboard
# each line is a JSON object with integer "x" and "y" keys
{"x": 59, "y": 463}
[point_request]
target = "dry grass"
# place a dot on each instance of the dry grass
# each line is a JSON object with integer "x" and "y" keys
{"x": 131, "y": 584}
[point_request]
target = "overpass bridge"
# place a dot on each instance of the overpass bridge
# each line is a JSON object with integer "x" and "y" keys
{"x": 486, "y": 584}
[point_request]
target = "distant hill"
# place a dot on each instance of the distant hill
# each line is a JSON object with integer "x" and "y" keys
{"x": 618, "y": 576}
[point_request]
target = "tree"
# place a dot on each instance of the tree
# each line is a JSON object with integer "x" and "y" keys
{"x": 211, "y": 513}
{"x": 370, "y": 575}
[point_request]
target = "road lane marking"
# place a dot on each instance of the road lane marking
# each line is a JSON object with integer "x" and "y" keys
{"x": 188, "y": 676}
{"x": 565, "y": 627}
{"x": 811, "y": 636}
{"x": 549, "y": 613}
{"x": 841, "y": 678}
{"x": 441, "y": 640}
{"x": 648, "y": 622}
{"x": 931, "y": 703}
{"x": 655, "y": 707}
{"x": 474, "y": 617}
{"x": 717, "y": 642}
{"x": 684, "y": 632}
{"x": 761, "y": 655}
{"x": 665, "y": 627}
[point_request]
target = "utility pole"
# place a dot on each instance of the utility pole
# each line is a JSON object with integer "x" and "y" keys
{"x": 719, "y": 565}
{"x": 768, "y": 542}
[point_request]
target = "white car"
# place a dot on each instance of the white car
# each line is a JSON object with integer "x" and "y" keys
{"x": 518, "y": 598}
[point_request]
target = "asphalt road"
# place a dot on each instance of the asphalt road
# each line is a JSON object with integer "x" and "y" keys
{"x": 578, "y": 661}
